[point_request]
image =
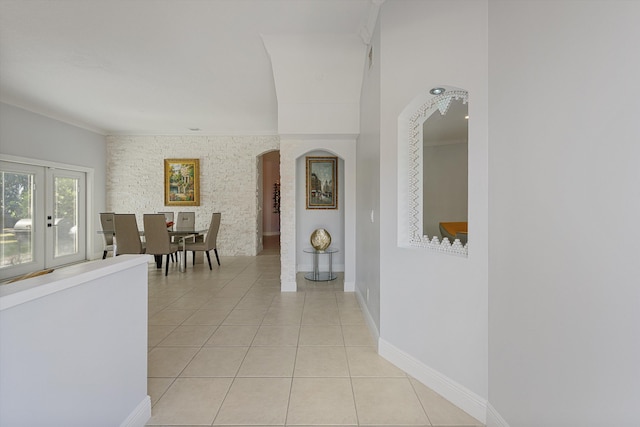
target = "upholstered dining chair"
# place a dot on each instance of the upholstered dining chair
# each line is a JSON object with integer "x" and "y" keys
{"x": 127, "y": 235}
{"x": 186, "y": 221}
{"x": 209, "y": 242}
{"x": 157, "y": 239}
{"x": 169, "y": 218}
{"x": 108, "y": 228}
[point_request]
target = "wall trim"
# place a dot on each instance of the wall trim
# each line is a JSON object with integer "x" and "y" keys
{"x": 371, "y": 324}
{"x": 494, "y": 419}
{"x": 349, "y": 286}
{"x": 288, "y": 286}
{"x": 140, "y": 415}
{"x": 456, "y": 393}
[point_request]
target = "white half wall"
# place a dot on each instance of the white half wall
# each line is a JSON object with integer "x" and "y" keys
{"x": 74, "y": 346}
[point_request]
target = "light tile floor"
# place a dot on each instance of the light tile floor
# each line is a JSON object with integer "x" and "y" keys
{"x": 227, "y": 348}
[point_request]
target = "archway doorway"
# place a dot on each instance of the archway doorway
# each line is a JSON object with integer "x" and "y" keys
{"x": 270, "y": 203}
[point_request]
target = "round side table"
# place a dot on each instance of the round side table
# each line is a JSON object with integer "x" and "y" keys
{"x": 321, "y": 276}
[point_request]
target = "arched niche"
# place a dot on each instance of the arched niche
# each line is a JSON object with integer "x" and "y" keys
{"x": 310, "y": 219}
{"x": 291, "y": 150}
{"x": 411, "y": 173}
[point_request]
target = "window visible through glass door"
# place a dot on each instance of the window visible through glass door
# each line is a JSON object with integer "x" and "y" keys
{"x": 65, "y": 231}
{"x": 43, "y": 218}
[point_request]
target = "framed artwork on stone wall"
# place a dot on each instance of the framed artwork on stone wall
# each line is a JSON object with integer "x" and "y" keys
{"x": 182, "y": 182}
{"x": 322, "y": 182}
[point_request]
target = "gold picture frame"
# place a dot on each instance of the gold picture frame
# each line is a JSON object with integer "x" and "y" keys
{"x": 322, "y": 182}
{"x": 182, "y": 182}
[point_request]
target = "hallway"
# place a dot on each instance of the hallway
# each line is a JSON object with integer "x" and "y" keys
{"x": 226, "y": 347}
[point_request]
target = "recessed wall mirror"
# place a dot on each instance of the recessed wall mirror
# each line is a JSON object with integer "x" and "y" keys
{"x": 433, "y": 137}
{"x": 445, "y": 172}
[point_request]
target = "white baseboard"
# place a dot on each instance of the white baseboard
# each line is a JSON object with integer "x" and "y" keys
{"x": 494, "y": 419}
{"x": 288, "y": 287}
{"x": 459, "y": 395}
{"x": 349, "y": 286}
{"x": 371, "y": 324}
{"x": 140, "y": 415}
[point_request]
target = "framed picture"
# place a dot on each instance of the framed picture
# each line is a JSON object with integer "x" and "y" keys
{"x": 182, "y": 182}
{"x": 322, "y": 182}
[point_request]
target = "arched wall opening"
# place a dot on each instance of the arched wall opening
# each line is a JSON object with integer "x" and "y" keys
{"x": 268, "y": 203}
{"x": 308, "y": 220}
{"x": 294, "y": 225}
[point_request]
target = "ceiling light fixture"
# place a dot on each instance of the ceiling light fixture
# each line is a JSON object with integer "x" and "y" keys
{"x": 194, "y": 129}
{"x": 437, "y": 91}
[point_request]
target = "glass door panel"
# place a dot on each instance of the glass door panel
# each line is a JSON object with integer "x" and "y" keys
{"x": 21, "y": 249}
{"x": 43, "y": 223}
{"x": 65, "y": 211}
{"x": 65, "y": 217}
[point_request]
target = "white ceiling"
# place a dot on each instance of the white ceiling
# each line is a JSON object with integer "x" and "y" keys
{"x": 156, "y": 66}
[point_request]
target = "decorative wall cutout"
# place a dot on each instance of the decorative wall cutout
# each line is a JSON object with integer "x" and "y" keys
{"x": 415, "y": 164}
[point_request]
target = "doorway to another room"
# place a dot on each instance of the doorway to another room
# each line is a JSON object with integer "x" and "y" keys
{"x": 270, "y": 203}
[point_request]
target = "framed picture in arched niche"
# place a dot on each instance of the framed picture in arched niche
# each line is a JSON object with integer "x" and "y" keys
{"x": 182, "y": 182}
{"x": 322, "y": 182}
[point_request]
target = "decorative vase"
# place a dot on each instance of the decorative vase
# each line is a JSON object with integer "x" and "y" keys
{"x": 320, "y": 239}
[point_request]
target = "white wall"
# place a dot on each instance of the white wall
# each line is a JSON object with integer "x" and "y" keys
{"x": 228, "y": 180}
{"x": 74, "y": 346}
{"x": 433, "y": 306}
{"x": 368, "y": 192}
{"x": 564, "y": 297}
{"x": 29, "y": 135}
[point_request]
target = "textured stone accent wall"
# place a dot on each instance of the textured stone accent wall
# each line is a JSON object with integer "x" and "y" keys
{"x": 135, "y": 181}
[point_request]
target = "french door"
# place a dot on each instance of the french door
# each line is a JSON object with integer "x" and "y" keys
{"x": 43, "y": 218}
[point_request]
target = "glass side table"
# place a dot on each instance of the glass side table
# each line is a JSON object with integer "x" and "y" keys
{"x": 316, "y": 275}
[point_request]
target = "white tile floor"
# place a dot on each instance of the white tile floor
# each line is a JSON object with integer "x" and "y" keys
{"x": 227, "y": 348}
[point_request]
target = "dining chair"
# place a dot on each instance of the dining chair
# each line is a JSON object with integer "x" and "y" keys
{"x": 127, "y": 235}
{"x": 108, "y": 228}
{"x": 209, "y": 242}
{"x": 157, "y": 239}
{"x": 168, "y": 217}
{"x": 186, "y": 221}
